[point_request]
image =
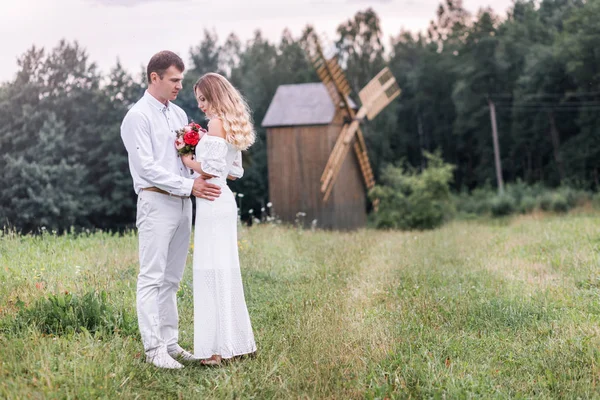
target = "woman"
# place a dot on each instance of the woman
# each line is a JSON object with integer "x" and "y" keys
{"x": 222, "y": 326}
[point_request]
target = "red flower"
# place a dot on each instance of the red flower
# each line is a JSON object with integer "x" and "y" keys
{"x": 192, "y": 138}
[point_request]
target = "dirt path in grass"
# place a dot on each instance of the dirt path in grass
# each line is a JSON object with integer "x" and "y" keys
{"x": 368, "y": 302}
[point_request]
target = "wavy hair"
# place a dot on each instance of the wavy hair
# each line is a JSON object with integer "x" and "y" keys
{"x": 227, "y": 104}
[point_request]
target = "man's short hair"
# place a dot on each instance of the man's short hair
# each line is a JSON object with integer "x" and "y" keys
{"x": 160, "y": 62}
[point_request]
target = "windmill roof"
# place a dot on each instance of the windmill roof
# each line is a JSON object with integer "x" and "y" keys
{"x": 301, "y": 104}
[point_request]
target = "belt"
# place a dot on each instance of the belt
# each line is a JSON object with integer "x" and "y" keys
{"x": 157, "y": 190}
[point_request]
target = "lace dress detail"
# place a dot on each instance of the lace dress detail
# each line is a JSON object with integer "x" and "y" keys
{"x": 221, "y": 321}
{"x": 237, "y": 170}
{"x": 214, "y": 155}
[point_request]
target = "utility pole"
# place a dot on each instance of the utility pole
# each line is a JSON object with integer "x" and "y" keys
{"x": 421, "y": 141}
{"x": 496, "y": 146}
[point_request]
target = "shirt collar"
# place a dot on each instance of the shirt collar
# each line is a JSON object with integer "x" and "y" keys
{"x": 155, "y": 103}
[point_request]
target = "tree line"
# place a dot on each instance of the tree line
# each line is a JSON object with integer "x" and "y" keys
{"x": 63, "y": 163}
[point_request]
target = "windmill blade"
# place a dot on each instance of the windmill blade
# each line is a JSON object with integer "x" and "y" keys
{"x": 379, "y": 92}
{"x": 337, "y": 157}
{"x": 328, "y": 171}
{"x": 339, "y": 152}
{"x": 360, "y": 149}
{"x": 330, "y": 73}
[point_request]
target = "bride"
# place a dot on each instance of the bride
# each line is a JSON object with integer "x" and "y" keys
{"x": 222, "y": 326}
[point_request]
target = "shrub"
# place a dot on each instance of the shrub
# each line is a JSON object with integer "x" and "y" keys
{"x": 559, "y": 202}
{"x": 527, "y": 205}
{"x": 412, "y": 200}
{"x": 502, "y": 205}
{"x": 477, "y": 202}
{"x": 574, "y": 197}
{"x": 596, "y": 201}
{"x": 545, "y": 201}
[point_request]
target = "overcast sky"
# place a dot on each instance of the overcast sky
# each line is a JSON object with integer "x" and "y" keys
{"x": 133, "y": 30}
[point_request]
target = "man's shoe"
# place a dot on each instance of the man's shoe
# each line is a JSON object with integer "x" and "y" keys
{"x": 162, "y": 359}
{"x": 180, "y": 354}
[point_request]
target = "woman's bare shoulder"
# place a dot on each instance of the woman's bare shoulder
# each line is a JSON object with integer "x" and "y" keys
{"x": 215, "y": 128}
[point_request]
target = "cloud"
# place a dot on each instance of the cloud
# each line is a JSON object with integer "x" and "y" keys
{"x": 131, "y": 3}
{"x": 342, "y": 2}
{"x": 368, "y": 1}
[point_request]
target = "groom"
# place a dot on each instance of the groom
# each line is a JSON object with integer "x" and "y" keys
{"x": 164, "y": 209}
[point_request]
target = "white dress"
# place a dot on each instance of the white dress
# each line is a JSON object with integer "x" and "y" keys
{"x": 221, "y": 321}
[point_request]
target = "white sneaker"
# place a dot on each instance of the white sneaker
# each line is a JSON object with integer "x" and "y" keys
{"x": 180, "y": 354}
{"x": 162, "y": 359}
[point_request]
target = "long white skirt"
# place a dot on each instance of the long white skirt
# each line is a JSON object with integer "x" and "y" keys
{"x": 221, "y": 321}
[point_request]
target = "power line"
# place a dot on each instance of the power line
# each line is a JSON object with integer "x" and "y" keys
{"x": 542, "y": 95}
{"x": 556, "y": 109}
{"x": 542, "y": 105}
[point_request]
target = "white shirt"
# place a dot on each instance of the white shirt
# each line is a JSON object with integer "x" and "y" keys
{"x": 149, "y": 132}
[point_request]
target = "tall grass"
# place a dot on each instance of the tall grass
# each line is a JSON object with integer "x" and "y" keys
{"x": 500, "y": 309}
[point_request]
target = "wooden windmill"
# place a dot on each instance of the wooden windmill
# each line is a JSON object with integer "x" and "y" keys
{"x": 310, "y": 130}
{"x": 378, "y": 93}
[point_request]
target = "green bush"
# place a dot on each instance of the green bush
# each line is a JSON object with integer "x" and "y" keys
{"x": 412, "y": 200}
{"x": 475, "y": 203}
{"x": 527, "y": 204}
{"x": 419, "y": 201}
{"x": 596, "y": 201}
{"x": 574, "y": 197}
{"x": 545, "y": 201}
{"x": 502, "y": 205}
{"x": 68, "y": 313}
{"x": 519, "y": 190}
{"x": 559, "y": 202}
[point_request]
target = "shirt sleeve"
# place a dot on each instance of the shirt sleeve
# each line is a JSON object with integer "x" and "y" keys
{"x": 135, "y": 132}
{"x": 236, "y": 170}
{"x": 212, "y": 157}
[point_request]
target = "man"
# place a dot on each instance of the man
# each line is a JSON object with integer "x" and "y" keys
{"x": 164, "y": 209}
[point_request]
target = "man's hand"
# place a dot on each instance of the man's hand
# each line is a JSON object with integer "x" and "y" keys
{"x": 204, "y": 190}
{"x": 186, "y": 158}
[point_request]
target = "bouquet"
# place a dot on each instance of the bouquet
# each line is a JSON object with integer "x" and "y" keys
{"x": 188, "y": 137}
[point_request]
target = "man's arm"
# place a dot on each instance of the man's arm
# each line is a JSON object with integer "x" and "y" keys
{"x": 135, "y": 132}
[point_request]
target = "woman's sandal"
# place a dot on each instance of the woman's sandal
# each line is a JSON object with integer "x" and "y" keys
{"x": 214, "y": 361}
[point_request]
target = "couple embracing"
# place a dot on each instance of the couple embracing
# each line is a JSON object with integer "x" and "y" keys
{"x": 164, "y": 182}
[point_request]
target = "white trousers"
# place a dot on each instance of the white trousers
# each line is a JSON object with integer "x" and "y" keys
{"x": 164, "y": 225}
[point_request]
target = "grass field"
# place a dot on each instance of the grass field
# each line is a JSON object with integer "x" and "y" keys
{"x": 488, "y": 309}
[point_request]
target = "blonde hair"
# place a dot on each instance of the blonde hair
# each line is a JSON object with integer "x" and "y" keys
{"x": 227, "y": 104}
